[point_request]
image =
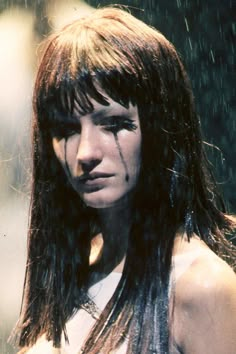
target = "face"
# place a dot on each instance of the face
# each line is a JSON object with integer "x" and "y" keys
{"x": 100, "y": 152}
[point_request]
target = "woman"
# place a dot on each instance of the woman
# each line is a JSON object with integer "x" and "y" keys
{"x": 121, "y": 184}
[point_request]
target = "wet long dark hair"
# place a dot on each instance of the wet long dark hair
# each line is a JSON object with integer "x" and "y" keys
{"x": 134, "y": 63}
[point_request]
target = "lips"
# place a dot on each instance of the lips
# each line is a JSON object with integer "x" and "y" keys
{"x": 93, "y": 176}
{"x": 92, "y": 182}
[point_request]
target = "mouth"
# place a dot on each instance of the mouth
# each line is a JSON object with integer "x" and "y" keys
{"x": 93, "y": 176}
{"x": 90, "y": 182}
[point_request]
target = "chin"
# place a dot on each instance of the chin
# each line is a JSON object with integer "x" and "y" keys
{"x": 99, "y": 204}
{"x": 96, "y": 201}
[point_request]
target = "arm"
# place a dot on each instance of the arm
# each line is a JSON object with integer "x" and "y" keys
{"x": 206, "y": 310}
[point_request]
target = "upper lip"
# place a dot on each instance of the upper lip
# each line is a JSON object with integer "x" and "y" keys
{"x": 94, "y": 175}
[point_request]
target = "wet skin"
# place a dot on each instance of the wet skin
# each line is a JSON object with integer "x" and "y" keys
{"x": 100, "y": 152}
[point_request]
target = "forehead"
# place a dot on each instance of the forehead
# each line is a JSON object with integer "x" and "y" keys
{"x": 111, "y": 108}
{"x": 68, "y": 103}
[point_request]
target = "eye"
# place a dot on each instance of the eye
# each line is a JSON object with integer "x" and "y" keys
{"x": 115, "y": 124}
{"x": 61, "y": 130}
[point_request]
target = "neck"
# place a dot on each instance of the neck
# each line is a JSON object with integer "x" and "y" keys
{"x": 115, "y": 225}
{"x": 116, "y": 219}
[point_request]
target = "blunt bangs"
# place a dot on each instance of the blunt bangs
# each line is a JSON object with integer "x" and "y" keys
{"x": 89, "y": 56}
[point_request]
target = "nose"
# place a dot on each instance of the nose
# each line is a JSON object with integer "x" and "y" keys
{"x": 89, "y": 153}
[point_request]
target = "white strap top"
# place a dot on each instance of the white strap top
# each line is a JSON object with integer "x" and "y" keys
{"x": 79, "y": 326}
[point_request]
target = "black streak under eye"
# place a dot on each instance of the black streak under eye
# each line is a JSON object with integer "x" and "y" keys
{"x": 122, "y": 157}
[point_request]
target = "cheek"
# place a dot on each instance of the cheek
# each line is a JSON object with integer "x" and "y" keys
{"x": 59, "y": 149}
{"x": 135, "y": 148}
{"x": 132, "y": 153}
{"x": 137, "y": 160}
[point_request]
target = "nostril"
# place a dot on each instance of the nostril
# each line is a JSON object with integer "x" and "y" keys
{"x": 89, "y": 165}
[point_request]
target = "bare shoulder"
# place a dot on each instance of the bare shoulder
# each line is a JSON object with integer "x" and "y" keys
{"x": 207, "y": 275}
{"x": 205, "y": 306}
{"x": 201, "y": 270}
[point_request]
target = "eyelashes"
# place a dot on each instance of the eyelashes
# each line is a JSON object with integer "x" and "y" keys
{"x": 116, "y": 124}
{"x": 113, "y": 124}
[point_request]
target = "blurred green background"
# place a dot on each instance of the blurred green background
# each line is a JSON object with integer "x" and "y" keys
{"x": 203, "y": 31}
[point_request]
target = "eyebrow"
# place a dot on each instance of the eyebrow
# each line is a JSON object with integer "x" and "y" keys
{"x": 106, "y": 112}
{"x": 98, "y": 114}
